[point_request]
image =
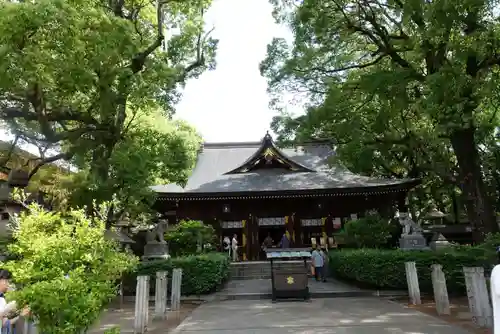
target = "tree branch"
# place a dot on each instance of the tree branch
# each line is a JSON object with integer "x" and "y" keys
{"x": 44, "y": 161}
{"x": 4, "y": 161}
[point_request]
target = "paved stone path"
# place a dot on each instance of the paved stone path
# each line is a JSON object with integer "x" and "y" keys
{"x": 319, "y": 316}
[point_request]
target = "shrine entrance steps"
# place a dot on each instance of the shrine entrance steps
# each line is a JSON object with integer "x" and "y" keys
{"x": 260, "y": 269}
{"x": 252, "y": 281}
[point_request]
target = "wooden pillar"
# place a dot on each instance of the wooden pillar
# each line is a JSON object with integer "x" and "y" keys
{"x": 477, "y": 292}
{"x": 329, "y": 226}
{"x": 245, "y": 244}
{"x": 401, "y": 202}
{"x": 440, "y": 289}
{"x": 323, "y": 240}
{"x": 141, "y": 305}
{"x": 412, "y": 280}
{"x": 297, "y": 231}
{"x": 254, "y": 239}
{"x": 289, "y": 229}
{"x": 218, "y": 232}
{"x": 161, "y": 295}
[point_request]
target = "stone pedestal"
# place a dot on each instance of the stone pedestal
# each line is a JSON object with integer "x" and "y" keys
{"x": 413, "y": 242}
{"x": 439, "y": 242}
{"x": 156, "y": 250}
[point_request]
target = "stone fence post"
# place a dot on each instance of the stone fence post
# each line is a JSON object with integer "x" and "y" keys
{"x": 175, "y": 301}
{"x": 141, "y": 305}
{"x": 477, "y": 293}
{"x": 30, "y": 328}
{"x": 24, "y": 326}
{"x": 161, "y": 295}
{"x": 440, "y": 289}
{"x": 412, "y": 280}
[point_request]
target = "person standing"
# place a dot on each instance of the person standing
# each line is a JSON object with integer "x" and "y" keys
{"x": 318, "y": 261}
{"x": 324, "y": 254}
{"x": 226, "y": 244}
{"x": 285, "y": 242}
{"x": 7, "y": 309}
{"x": 234, "y": 248}
{"x": 268, "y": 243}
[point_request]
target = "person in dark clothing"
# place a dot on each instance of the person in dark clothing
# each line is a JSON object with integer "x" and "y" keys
{"x": 285, "y": 242}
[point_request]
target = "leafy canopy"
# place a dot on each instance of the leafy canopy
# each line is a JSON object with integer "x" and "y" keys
{"x": 98, "y": 81}
{"x": 408, "y": 88}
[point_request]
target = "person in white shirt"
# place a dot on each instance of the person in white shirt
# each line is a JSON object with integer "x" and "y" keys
{"x": 234, "y": 248}
{"x": 5, "y": 277}
{"x": 8, "y": 309}
{"x": 227, "y": 245}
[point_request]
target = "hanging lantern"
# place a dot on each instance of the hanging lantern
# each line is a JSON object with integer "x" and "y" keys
{"x": 18, "y": 178}
{"x": 4, "y": 191}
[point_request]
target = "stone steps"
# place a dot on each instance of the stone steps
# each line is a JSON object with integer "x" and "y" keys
{"x": 261, "y": 269}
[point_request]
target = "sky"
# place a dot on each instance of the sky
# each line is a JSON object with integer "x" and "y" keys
{"x": 230, "y": 104}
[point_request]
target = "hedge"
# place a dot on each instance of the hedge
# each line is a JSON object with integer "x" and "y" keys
{"x": 385, "y": 269}
{"x": 201, "y": 274}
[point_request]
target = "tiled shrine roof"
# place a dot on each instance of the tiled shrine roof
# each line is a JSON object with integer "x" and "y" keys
{"x": 239, "y": 169}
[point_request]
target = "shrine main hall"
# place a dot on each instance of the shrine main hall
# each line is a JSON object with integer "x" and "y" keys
{"x": 257, "y": 189}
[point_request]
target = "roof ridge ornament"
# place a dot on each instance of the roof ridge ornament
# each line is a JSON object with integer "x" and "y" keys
{"x": 268, "y": 137}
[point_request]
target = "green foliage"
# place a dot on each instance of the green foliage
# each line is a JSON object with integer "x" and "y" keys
{"x": 92, "y": 80}
{"x": 489, "y": 247}
{"x": 406, "y": 88}
{"x": 201, "y": 274}
{"x": 114, "y": 330}
{"x": 4, "y": 243}
{"x": 184, "y": 237}
{"x": 151, "y": 154}
{"x": 371, "y": 231}
{"x": 385, "y": 269}
{"x": 67, "y": 270}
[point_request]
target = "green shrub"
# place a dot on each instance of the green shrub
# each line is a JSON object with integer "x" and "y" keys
{"x": 201, "y": 274}
{"x": 371, "y": 231}
{"x": 66, "y": 270}
{"x": 385, "y": 269}
{"x": 489, "y": 247}
{"x": 183, "y": 238}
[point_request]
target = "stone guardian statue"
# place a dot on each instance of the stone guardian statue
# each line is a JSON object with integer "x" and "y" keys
{"x": 412, "y": 237}
{"x": 156, "y": 247}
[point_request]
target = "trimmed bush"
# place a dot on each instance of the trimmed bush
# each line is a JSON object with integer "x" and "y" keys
{"x": 201, "y": 274}
{"x": 183, "y": 238}
{"x": 385, "y": 269}
{"x": 371, "y": 231}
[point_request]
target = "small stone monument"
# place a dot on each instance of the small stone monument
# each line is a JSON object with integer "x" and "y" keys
{"x": 412, "y": 237}
{"x": 438, "y": 241}
{"x": 156, "y": 247}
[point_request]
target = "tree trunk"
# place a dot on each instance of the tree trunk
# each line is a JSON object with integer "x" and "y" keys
{"x": 479, "y": 207}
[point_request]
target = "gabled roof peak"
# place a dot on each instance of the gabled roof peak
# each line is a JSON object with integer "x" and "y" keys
{"x": 268, "y": 155}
